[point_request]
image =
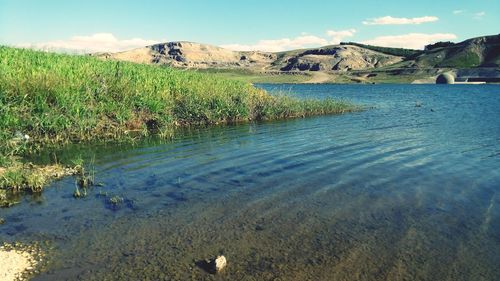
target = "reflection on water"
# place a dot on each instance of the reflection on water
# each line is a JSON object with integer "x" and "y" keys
{"x": 398, "y": 192}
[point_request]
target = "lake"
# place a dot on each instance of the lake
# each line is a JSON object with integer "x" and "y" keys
{"x": 408, "y": 189}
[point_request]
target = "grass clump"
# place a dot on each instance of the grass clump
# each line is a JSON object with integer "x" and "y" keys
{"x": 85, "y": 178}
{"x": 27, "y": 176}
{"x": 48, "y": 98}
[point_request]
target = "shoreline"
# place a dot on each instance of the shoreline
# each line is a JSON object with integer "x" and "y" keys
{"x": 88, "y": 100}
{"x": 18, "y": 262}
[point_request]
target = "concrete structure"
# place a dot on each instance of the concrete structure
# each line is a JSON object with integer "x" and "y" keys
{"x": 479, "y": 75}
{"x": 445, "y": 78}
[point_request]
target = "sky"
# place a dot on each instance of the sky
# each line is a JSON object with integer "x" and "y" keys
{"x": 266, "y": 25}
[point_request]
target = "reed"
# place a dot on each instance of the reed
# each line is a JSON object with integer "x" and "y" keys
{"x": 48, "y": 98}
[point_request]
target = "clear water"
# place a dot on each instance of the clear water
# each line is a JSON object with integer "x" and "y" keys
{"x": 396, "y": 192}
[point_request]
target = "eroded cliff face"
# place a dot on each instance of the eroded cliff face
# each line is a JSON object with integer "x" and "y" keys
{"x": 195, "y": 55}
{"x": 472, "y": 53}
{"x": 476, "y": 52}
{"x": 338, "y": 58}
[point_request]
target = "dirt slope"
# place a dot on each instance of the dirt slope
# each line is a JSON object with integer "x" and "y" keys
{"x": 195, "y": 55}
{"x": 347, "y": 60}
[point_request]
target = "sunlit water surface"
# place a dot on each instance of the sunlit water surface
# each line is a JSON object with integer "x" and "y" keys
{"x": 408, "y": 189}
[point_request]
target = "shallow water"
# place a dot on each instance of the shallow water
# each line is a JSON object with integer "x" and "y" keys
{"x": 396, "y": 192}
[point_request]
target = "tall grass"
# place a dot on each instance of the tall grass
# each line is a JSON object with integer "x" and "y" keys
{"x": 57, "y": 98}
{"x": 48, "y": 98}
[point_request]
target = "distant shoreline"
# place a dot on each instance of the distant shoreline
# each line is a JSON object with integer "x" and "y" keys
{"x": 345, "y": 63}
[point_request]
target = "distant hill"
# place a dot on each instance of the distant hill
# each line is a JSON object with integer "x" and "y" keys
{"x": 333, "y": 58}
{"x": 407, "y": 53}
{"x": 195, "y": 55}
{"x": 353, "y": 61}
{"x": 476, "y": 52}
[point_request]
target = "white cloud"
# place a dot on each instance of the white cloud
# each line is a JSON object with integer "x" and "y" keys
{"x": 392, "y": 20}
{"x": 338, "y": 36}
{"x": 99, "y": 42}
{"x": 410, "y": 40}
{"x": 277, "y": 45}
{"x": 479, "y": 15}
{"x": 303, "y": 41}
{"x": 457, "y": 12}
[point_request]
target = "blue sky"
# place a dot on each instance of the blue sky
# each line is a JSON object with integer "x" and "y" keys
{"x": 271, "y": 24}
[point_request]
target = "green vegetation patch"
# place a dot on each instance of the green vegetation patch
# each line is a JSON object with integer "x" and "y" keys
{"x": 19, "y": 177}
{"x": 259, "y": 77}
{"x": 462, "y": 60}
{"x": 48, "y": 98}
{"x": 400, "y": 52}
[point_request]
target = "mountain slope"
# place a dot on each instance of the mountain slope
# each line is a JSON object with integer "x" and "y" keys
{"x": 344, "y": 63}
{"x": 336, "y": 58}
{"x": 476, "y": 52}
{"x": 195, "y": 55}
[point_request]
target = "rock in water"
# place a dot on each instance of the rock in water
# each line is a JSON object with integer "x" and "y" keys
{"x": 219, "y": 263}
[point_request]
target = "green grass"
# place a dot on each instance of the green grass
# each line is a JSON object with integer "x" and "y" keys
{"x": 19, "y": 176}
{"x": 383, "y": 76}
{"x": 48, "y": 98}
{"x": 60, "y": 98}
{"x": 257, "y": 77}
{"x": 401, "y": 52}
{"x": 464, "y": 59}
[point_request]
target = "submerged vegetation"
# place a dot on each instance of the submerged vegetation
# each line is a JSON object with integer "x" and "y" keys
{"x": 48, "y": 99}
